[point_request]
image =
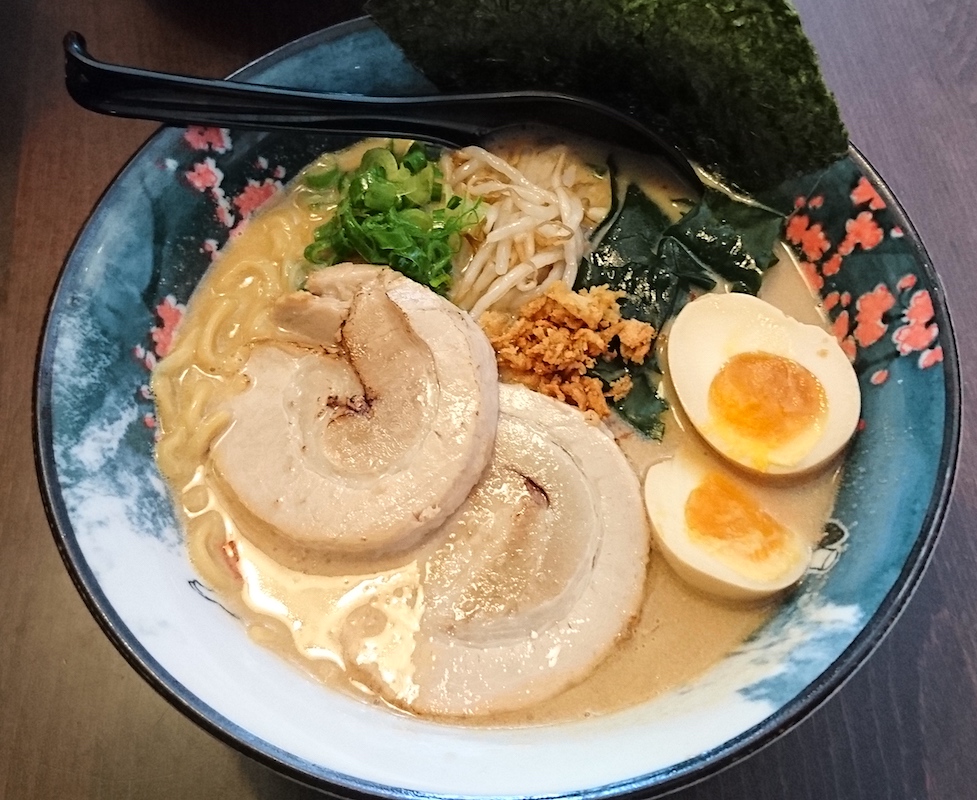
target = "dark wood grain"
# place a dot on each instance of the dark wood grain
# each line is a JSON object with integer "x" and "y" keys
{"x": 77, "y": 722}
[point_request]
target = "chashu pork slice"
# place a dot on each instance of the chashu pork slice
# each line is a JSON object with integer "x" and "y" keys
{"x": 542, "y": 571}
{"x": 369, "y": 442}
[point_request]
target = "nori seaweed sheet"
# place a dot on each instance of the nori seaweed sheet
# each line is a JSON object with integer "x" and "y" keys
{"x": 735, "y": 84}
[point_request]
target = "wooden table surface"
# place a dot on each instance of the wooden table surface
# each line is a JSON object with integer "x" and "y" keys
{"x": 77, "y": 722}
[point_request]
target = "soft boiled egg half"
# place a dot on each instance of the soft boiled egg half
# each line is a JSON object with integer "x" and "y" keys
{"x": 714, "y": 531}
{"x": 771, "y": 394}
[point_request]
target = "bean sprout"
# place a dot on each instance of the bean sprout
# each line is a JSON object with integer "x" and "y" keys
{"x": 538, "y": 209}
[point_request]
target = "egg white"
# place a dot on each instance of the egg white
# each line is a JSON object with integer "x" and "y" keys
{"x": 667, "y": 488}
{"x": 715, "y": 327}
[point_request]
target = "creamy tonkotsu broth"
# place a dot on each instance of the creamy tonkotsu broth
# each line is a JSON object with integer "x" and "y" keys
{"x": 358, "y": 619}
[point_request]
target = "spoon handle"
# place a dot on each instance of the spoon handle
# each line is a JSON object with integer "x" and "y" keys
{"x": 183, "y": 100}
{"x": 455, "y": 120}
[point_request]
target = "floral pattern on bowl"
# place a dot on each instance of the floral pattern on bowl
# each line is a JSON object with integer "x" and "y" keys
{"x": 119, "y": 300}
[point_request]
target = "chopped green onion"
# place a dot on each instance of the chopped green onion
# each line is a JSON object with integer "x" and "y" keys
{"x": 393, "y": 211}
{"x": 323, "y": 180}
{"x": 415, "y": 159}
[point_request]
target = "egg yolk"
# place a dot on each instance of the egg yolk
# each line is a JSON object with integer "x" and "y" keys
{"x": 727, "y": 521}
{"x": 766, "y": 398}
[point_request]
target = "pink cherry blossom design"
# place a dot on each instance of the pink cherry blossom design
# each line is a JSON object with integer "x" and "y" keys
{"x": 871, "y": 307}
{"x": 919, "y": 331}
{"x": 863, "y": 231}
{"x": 254, "y": 194}
{"x": 810, "y": 238}
{"x": 223, "y": 212}
{"x": 864, "y": 193}
{"x": 832, "y": 266}
{"x": 170, "y": 313}
{"x": 814, "y": 243}
{"x": 200, "y": 138}
{"x": 797, "y": 226}
{"x": 931, "y": 357}
{"x": 840, "y": 329}
{"x": 205, "y": 175}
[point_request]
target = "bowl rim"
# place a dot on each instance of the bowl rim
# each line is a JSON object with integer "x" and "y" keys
{"x": 654, "y": 784}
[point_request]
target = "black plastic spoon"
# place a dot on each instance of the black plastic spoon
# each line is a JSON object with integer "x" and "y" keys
{"x": 451, "y": 119}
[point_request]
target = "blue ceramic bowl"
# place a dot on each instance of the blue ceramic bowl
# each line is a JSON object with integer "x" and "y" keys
{"x": 120, "y": 295}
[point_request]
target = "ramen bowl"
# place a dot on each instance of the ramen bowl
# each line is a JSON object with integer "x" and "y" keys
{"x": 122, "y": 293}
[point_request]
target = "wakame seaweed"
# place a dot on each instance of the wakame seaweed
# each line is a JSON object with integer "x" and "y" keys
{"x": 642, "y": 406}
{"x": 658, "y": 265}
{"x": 733, "y": 239}
{"x": 734, "y": 83}
{"x": 625, "y": 259}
